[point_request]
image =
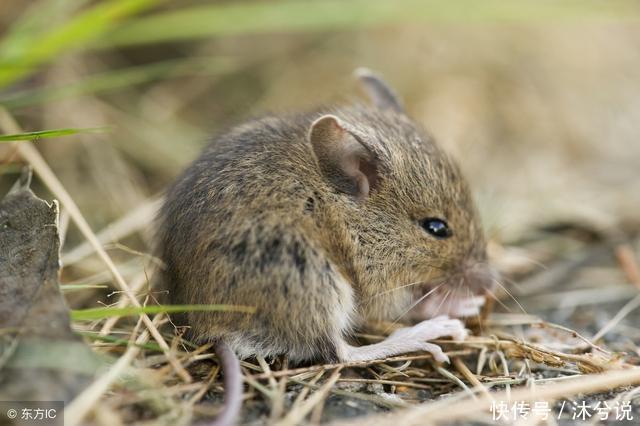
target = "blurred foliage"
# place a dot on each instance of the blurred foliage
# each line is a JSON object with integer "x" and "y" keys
{"x": 537, "y": 99}
{"x": 293, "y": 16}
{"x": 115, "y": 79}
{"x": 33, "y": 40}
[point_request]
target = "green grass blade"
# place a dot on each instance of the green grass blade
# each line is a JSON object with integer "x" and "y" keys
{"x": 257, "y": 17}
{"x": 101, "y": 313}
{"x": 119, "y": 342}
{"x": 250, "y": 18}
{"x": 20, "y": 58}
{"x": 42, "y": 134}
{"x": 117, "y": 79}
{"x": 37, "y": 19}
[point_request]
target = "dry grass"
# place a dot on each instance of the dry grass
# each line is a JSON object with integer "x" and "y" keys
{"x": 582, "y": 366}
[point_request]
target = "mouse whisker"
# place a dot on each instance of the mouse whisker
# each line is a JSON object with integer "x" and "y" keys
{"x": 400, "y": 287}
{"x": 511, "y": 282}
{"x": 494, "y": 297}
{"x": 414, "y": 304}
{"x": 444, "y": 299}
{"x": 510, "y": 295}
{"x": 395, "y": 289}
{"x": 532, "y": 261}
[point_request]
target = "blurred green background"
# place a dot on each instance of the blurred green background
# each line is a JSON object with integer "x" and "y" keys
{"x": 539, "y": 101}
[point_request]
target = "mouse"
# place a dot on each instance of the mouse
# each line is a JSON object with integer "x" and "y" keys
{"x": 323, "y": 220}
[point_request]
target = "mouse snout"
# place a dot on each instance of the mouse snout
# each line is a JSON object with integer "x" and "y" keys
{"x": 479, "y": 277}
{"x": 460, "y": 294}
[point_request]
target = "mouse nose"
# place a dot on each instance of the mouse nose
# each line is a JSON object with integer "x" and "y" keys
{"x": 480, "y": 277}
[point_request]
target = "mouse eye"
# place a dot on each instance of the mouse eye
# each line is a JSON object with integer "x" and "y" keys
{"x": 436, "y": 227}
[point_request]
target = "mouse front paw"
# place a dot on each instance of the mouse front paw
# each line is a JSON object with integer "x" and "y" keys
{"x": 441, "y": 326}
{"x": 407, "y": 340}
{"x": 415, "y": 338}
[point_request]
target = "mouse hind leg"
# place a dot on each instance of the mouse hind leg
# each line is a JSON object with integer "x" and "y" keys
{"x": 302, "y": 303}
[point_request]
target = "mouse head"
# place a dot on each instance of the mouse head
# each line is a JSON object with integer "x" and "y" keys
{"x": 412, "y": 224}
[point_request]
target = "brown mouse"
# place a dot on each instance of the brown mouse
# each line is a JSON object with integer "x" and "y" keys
{"x": 321, "y": 221}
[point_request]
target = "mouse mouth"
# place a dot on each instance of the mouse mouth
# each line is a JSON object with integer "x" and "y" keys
{"x": 459, "y": 294}
{"x": 442, "y": 301}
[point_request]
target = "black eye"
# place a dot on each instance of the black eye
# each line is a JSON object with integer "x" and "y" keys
{"x": 436, "y": 227}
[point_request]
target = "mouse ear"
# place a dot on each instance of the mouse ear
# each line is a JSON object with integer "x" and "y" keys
{"x": 344, "y": 160}
{"x": 380, "y": 93}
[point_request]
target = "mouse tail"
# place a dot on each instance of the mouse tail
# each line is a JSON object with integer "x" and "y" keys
{"x": 230, "y": 365}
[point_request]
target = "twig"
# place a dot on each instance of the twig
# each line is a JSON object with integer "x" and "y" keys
{"x": 482, "y": 359}
{"x": 375, "y": 399}
{"x": 443, "y": 410}
{"x": 296, "y": 415}
{"x": 267, "y": 370}
{"x": 277, "y": 395}
{"x": 262, "y": 389}
{"x": 505, "y": 368}
{"x": 541, "y": 354}
{"x": 316, "y": 414}
{"x": 83, "y": 403}
{"x": 630, "y": 267}
{"x": 306, "y": 389}
{"x": 622, "y": 313}
{"x": 573, "y": 333}
{"x": 628, "y": 263}
{"x": 449, "y": 375}
{"x": 131, "y": 222}
{"x": 464, "y": 370}
{"x": 136, "y": 285}
{"x": 326, "y": 367}
{"x": 204, "y": 387}
{"x": 390, "y": 382}
{"x": 277, "y": 407}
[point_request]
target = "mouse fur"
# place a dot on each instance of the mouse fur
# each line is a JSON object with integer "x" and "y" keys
{"x": 268, "y": 217}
